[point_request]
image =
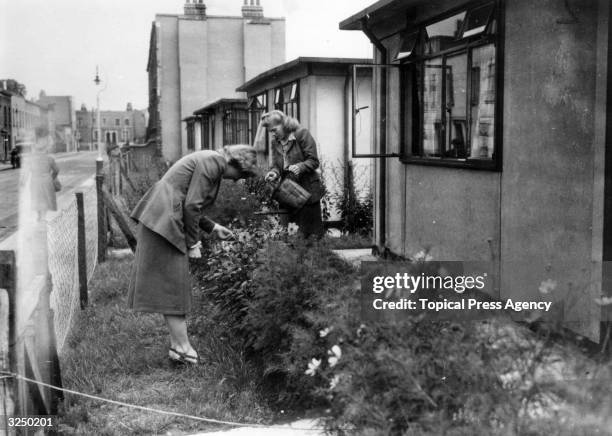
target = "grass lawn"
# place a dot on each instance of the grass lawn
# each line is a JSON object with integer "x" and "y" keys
{"x": 117, "y": 354}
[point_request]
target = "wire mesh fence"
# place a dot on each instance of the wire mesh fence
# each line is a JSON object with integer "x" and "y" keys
{"x": 63, "y": 260}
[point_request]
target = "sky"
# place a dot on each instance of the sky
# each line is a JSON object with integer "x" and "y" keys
{"x": 56, "y": 45}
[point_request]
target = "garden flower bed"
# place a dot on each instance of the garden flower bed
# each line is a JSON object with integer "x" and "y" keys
{"x": 277, "y": 323}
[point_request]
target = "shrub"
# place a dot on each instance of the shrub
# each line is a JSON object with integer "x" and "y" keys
{"x": 295, "y": 309}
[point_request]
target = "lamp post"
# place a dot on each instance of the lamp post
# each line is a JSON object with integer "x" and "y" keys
{"x": 102, "y": 235}
{"x": 97, "y": 81}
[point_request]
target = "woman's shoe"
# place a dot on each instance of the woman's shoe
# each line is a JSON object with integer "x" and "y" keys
{"x": 179, "y": 358}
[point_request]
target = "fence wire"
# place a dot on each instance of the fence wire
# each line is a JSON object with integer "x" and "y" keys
{"x": 63, "y": 260}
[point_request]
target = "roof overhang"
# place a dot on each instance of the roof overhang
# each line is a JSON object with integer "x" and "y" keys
{"x": 378, "y": 12}
{"x": 221, "y": 103}
{"x": 296, "y": 64}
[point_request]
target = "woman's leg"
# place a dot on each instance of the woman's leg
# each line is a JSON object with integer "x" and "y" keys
{"x": 177, "y": 325}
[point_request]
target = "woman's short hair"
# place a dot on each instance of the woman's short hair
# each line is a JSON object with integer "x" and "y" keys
{"x": 275, "y": 117}
{"x": 242, "y": 157}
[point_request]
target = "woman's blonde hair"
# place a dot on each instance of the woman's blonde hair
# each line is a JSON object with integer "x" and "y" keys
{"x": 272, "y": 118}
{"x": 242, "y": 157}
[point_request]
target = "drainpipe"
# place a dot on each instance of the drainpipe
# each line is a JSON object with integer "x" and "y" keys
{"x": 382, "y": 180}
{"x": 346, "y": 155}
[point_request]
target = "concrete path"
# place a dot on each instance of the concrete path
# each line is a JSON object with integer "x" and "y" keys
{"x": 304, "y": 427}
{"x": 356, "y": 256}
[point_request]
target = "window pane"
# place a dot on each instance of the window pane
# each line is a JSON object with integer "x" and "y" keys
{"x": 293, "y": 91}
{"x": 409, "y": 44}
{"x": 432, "y": 107}
{"x": 482, "y": 102}
{"x": 456, "y": 95}
{"x": 477, "y": 20}
{"x": 444, "y": 33}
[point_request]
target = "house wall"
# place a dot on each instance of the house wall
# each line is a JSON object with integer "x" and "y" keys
{"x": 205, "y": 59}
{"x": 547, "y": 183}
{"x": 170, "y": 97}
{"x": 193, "y": 58}
{"x": 534, "y": 219}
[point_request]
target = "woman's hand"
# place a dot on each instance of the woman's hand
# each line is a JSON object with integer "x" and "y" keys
{"x": 194, "y": 252}
{"x": 222, "y": 232}
{"x": 295, "y": 169}
{"x": 271, "y": 176}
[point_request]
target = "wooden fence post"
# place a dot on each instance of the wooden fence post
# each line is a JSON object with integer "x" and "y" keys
{"x": 120, "y": 217}
{"x": 101, "y": 212}
{"x": 81, "y": 251}
{"x": 8, "y": 281}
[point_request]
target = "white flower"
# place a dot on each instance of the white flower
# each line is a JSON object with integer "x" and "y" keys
{"x": 603, "y": 301}
{"x": 334, "y": 356}
{"x": 292, "y": 229}
{"x": 360, "y": 330}
{"x": 547, "y": 286}
{"x": 325, "y": 332}
{"x": 334, "y": 382}
{"x": 422, "y": 256}
{"x": 313, "y": 365}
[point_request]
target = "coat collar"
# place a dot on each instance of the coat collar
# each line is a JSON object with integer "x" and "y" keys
{"x": 290, "y": 141}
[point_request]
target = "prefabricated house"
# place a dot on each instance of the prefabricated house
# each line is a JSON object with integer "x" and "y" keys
{"x": 319, "y": 92}
{"x": 492, "y": 141}
{"x": 223, "y": 122}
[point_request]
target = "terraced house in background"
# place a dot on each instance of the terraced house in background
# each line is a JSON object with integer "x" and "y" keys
{"x": 196, "y": 59}
{"x": 117, "y": 127}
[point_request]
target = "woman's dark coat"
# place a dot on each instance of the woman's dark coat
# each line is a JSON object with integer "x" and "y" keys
{"x": 302, "y": 151}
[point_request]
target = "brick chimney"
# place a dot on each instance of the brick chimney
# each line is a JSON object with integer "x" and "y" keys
{"x": 195, "y": 8}
{"x": 252, "y": 9}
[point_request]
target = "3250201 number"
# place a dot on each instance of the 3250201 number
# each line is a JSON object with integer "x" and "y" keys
{"x": 31, "y": 421}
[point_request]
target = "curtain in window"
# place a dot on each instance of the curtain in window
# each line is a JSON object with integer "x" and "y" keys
{"x": 483, "y": 102}
{"x": 432, "y": 104}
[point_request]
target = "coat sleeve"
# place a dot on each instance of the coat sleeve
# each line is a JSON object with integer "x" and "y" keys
{"x": 309, "y": 149}
{"x": 207, "y": 224}
{"x": 53, "y": 167}
{"x": 203, "y": 184}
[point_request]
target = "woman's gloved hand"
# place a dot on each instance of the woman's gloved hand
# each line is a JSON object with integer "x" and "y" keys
{"x": 195, "y": 252}
{"x": 222, "y": 232}
{"x": 271, "y": 176}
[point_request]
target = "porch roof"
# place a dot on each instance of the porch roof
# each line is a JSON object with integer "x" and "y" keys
{"x": 378, "y": 12}
{"x": 220, "y": 103}
{"x": 296, "y": 63}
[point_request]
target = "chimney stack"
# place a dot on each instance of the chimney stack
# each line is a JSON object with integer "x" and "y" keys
{"x": 195, "y": 8}
{"x": 252, "y": 9}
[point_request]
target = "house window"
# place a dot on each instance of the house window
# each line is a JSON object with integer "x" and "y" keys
{"x": 236, "y": 126}
{"x": 79, "y": 122}
{"x": 127, "y": 121}
{"x": 258, "y": 105}
{"x": 117, "y": 122}
{"x": 449, "y": 90}
{"x": 95, "y": 135}
{"x": 205, "y": 122}
{"x": 190, "y": 135}
{"x": 287, "y": 98}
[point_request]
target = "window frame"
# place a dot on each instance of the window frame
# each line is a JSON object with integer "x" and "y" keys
{"x": 279, "y": 94}
{"x": 253, "y": 125}
{"x": 410, "y": 140}
{"x": 234, "y": 121}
